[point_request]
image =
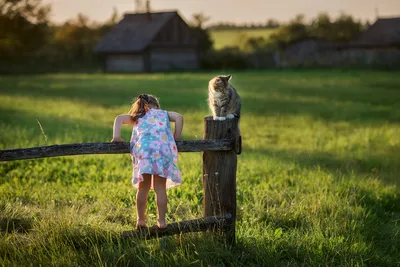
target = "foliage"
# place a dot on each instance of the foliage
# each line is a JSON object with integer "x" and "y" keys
{"x": 76, "y": 38}
{"x": 227, "y": 58}
{"x": 23, "y": 28}
{"x": 343, "y": 28}
{"x": 315, "y": 182}
{"x": 270, "y": 24}
{"x": 293, "y": 31}
{"x": 41, "y": 44}
{"x": 205, "y": 42}
{"x": 199, "y": 19}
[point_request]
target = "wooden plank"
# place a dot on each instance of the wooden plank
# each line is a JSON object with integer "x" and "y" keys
{"x": 219, "y": 173}
{"x": 214, "y": 223}
{"x": 106, "y": 148}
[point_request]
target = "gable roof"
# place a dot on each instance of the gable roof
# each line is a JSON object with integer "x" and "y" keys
{"x": 134, "y": 32}
{"x": 385, "y": 31}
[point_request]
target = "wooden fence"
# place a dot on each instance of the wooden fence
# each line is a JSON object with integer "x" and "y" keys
{"x": 220, "y": 147}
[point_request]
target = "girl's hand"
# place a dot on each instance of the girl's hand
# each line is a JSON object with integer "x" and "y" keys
{"x": 178, "y": 119}
{"x": 117, "y": 139}
{"x": 118, "y": 121}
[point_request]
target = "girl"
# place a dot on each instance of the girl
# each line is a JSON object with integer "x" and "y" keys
{"x": 153, "y": 152}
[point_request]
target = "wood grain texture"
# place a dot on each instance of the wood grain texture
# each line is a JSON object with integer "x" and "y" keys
{"x": 219, "y": 173}
{"x": 106, "y": 148}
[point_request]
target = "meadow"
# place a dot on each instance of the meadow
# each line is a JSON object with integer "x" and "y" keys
{"x": 229, "y": 38}
{"x": 317, "y": 183}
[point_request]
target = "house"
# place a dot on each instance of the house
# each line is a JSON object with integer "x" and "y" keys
{"x": 149, "y": 42}
{"x": 377, "y": 46}
{"x": 384, "y": 33}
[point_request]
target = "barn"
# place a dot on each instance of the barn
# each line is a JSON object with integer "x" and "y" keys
{"x": 377, "y": 46}
{"x": 384, "y": 33}
{"x": 149, "y": 42}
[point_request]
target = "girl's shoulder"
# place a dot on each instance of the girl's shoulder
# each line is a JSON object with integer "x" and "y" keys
{"x": 154, "y": 110}
{"x": 160, "y": 113}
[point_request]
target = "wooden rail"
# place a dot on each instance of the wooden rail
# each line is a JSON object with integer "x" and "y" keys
{"x": 106, "y": 148}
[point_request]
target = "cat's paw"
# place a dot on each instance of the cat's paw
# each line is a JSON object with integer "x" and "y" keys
{"x": 219, "y": 118}
{"x": 230, "y": 116}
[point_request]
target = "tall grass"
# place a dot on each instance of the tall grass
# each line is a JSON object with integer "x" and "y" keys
{"x": 317, "y": 183}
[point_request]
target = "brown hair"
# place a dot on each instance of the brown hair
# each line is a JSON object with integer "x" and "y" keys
{"x": 142, "y": 104}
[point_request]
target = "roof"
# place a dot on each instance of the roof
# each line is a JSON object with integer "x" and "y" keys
{"x": 385, "y": 31}
{"x": 134, "y": 32}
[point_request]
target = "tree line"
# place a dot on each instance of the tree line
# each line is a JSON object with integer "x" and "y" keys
{"x": 343, "y": 28}
{"x": 269, "y": 24}
{"x": 29, "y": 38}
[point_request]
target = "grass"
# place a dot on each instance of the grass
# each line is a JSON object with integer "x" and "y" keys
{"x": 317, "y": 182}
{"x": 226, "y": 38}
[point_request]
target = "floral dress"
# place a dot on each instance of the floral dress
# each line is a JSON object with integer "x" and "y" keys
{"x": 153, "y": 148}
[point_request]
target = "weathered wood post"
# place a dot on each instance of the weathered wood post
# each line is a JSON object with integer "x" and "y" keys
{"x": 219, "y": 173}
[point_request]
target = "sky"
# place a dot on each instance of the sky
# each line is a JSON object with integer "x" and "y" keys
{"x": 239, "y": 11}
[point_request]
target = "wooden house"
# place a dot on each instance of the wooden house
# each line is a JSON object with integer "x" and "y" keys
{"x": 149, "y": 42}
{"x": 384, "y": 33}
{"x": 379, "y": 46}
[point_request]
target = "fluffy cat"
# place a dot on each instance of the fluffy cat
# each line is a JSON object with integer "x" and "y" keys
{"x": 223, "y": 99}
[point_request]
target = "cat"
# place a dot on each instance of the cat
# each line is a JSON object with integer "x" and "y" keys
{"x": 223, "y": 99}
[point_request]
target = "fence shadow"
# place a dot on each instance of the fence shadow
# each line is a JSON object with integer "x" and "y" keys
{"x": 378, "y": 226}
{"x": 18, "y": 225}
{"x": 383, "y": 166}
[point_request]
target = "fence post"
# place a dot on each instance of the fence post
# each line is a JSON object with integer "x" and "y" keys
{"x": 219, "y": 173}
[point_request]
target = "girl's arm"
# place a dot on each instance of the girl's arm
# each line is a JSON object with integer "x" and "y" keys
{"x": 178, "y": 119}
{"x": 119, "y": 120}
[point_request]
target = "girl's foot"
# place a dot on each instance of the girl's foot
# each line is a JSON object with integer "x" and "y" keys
{"x": 161, "y": 225}
{"x": 140, "y": 224}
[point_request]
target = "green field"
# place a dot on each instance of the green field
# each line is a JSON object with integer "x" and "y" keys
{"x": 229, "y": 38}
{"x": 317, "y": 182}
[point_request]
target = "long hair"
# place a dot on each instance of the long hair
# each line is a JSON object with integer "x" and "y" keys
{"x": 143, "y": 104}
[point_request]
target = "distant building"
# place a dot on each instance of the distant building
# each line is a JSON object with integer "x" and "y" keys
{"x": 149, "y": 42}
{"x": 384, "y": 33}
{"x": 379, "y": 46}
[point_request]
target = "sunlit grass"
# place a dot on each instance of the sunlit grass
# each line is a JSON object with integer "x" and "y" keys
{"x": 230, "y": 38}
{"x": 317, "y": 183}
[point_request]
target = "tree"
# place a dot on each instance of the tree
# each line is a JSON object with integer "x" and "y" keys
{"x": 115, "y": 17}
{"x": 23, "y": 27}
{"x": 76, "y": 38}
{"x": 322, "y": 27}
{"x": 139, "y": 6}
{"x": 271, "y": 23}
{"x": 345, "y": 28}
{"x": 254, "y": 44}
{"x": 203, "y": 36}
{"x": 294, "y": 31}
{"x": 199, "y": 19}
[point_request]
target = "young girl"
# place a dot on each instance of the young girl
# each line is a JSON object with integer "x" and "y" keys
{"x": 153, "y": 152}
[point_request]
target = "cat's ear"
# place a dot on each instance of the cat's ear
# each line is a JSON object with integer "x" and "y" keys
{"x": 228, "y": 77}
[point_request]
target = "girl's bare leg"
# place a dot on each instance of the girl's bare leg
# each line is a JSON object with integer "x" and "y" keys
{"x": 161, "y": 200}
{"x": 141, "y": 200}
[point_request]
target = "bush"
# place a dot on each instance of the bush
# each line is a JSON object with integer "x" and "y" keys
{"x": 227, "y": 58}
